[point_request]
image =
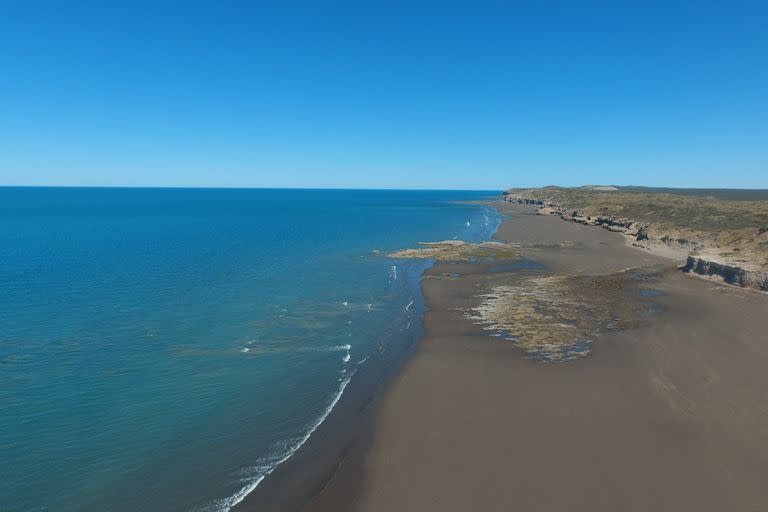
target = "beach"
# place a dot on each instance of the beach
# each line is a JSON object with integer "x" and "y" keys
{"x": 668, "y": 414}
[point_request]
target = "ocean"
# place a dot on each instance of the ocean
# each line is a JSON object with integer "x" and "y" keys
{"x": 166, "y": 349}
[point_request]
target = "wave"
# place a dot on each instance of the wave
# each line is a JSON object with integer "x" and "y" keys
{"x": 226, "y": 504}
{"x": 488, "y": 223}
{"x": 295, "y": 350}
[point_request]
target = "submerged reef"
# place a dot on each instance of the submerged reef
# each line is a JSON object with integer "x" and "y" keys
{"x": 554, "y": 318}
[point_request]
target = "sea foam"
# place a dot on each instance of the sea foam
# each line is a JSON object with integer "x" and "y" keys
{"x": 226, "y": 504}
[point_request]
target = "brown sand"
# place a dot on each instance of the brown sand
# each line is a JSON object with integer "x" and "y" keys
{"x": 670, "y": 416}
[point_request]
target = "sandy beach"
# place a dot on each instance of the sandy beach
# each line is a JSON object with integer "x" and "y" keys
{"x": 671, "y": 414}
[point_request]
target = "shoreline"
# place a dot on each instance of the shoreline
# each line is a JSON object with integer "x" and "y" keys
{"x": 470, "y": 421}
{"x": 345, "y": 429}
{"x": 307, "y": 470}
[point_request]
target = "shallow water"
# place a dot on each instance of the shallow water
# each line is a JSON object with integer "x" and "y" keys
{"x": 163, "y": 349}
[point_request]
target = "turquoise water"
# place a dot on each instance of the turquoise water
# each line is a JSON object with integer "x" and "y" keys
{"x": 164, "y": 349}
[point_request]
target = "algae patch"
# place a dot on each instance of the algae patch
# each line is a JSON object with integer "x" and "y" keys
{"x": 554, "y": 318}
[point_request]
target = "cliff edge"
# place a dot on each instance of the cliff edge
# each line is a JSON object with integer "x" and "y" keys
{"x": 716, "y": 237}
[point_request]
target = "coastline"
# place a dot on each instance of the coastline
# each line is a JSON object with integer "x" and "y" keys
{"x": 306, "y": 471}
{"x": 232, "y": 324}
{"x": 346, "y": 426}
{"x": 673, "y": 407}
{"x": 697, "y": 258}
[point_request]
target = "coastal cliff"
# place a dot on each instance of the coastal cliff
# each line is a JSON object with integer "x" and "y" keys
{"x": 728, "y": 273}
{"x": 716, "y": 238}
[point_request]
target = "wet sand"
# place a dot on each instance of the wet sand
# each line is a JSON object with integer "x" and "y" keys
{"x": 670, "y": 415}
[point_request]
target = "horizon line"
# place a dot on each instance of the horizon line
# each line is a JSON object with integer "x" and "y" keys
{"x": 204, "y": 187}
{"x": 207, "y": 187}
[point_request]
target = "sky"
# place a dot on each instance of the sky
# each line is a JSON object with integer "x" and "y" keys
{"x": 389, "y": 94}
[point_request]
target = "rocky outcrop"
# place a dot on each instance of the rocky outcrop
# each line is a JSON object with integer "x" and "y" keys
{"x": 525, "y": 200}
{"x": 727, "y": 273}
{"x": 459, "y": 250}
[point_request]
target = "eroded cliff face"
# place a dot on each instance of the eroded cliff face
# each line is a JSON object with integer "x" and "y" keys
{"x": 735, "y": 257}
{"x": 619, "y": 225}
{"x": 730, "y": 274}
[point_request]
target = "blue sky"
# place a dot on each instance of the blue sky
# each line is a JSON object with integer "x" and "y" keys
{"x": 384, "y": 94}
